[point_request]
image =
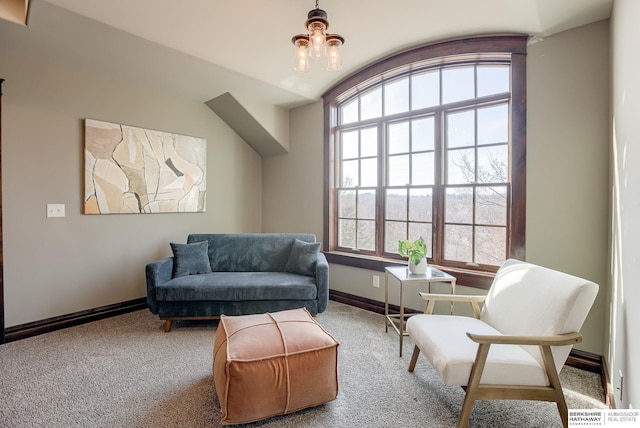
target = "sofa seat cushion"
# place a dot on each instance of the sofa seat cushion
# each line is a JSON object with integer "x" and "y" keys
{"x": 238, "y": 286}
{"x": 453, "y": 359}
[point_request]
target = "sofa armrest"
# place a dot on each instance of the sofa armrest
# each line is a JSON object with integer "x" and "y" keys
{"x": 157, "y": 272}
{"x": 322, "y": 282}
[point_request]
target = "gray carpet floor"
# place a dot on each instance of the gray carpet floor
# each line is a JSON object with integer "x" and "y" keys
{"x": 126, "y": 372}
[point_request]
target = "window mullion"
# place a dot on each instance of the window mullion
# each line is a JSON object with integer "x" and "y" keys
{"x": 473, "y": 222}
{"x": 381, "y": 191}
{"x": 438, "y": 189}
{"x": 475, "y": 176}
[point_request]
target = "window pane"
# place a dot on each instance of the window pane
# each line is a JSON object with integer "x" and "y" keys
{"x": 458, "y": 205}
{"x": 491, "y": 205}
{"x": 417, "y": 230}
{"x": 371, "y": 104}
{"x": 367, "y": 204}
{"x": 461, "y": 166}
{"x": 347, "y": 203}
{"x": 350, "y": 174}
{"x": 396, "y": 204}
{"x": 347, "y": 233}
{"x": 461, "y": 129}
{"x": 457, "y": 84}
{"x": 493, "y": 124}
{"x": 422, "y": 171}
{"x": 421, "y": 205}
{"x": 491, "y": 245}
{"x": 369, "y": 142}
{"x": 425, "y": 90}
{"x": 422, "y": 134}
{"x": 349, "y": 112}
{"x": 396, "y": 96}
{"x": 398, "y": 170}
{"x": 367, "y": 235}
{"x": 493, "y": 79}
{"x": 458, "y": 243}
{"x": 349, "y": 145}
{"x": 493, "y": 164}
{"x": 369, "y": 176}
{"x": 394, "y": 231}
{"x": 398, "y": 137}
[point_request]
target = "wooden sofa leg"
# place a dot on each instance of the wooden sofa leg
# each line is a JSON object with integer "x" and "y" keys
{"x": 167, "y": 326}
{"x": 414, "y": 358}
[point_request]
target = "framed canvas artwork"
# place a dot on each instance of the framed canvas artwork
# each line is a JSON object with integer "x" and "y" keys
{"x": 131, "y": 170}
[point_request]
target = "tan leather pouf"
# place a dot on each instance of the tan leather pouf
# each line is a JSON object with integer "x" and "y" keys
{"x": 273, "y": 364}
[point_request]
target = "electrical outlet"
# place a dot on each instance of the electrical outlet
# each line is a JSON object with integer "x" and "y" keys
{"x": 55, "y": 210}
{"x": 376, "y": 281}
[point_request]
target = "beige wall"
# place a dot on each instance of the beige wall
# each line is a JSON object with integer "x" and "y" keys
{"x": 567, "y": 170}
{"x": 56, "y": 266}
{"x": 292, "y": 192}
{"x": 568, "y": 160}
{"x": 624, "y": 318}
{"x": 59, "y": 266}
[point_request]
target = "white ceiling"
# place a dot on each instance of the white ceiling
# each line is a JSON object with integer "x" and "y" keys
{"x": 244, "y": 45}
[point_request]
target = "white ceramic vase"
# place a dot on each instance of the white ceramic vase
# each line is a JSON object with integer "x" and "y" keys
{"x": 420, "y": 268}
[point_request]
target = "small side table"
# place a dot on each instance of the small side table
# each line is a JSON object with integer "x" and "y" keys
{"x": 401, "y": 273}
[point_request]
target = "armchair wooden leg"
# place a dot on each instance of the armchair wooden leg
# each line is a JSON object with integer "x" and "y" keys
{"x": 167, "y": 326}
{"x": 554, "y": 382}
{"x": 465, "y": 413}
{"x": 473, "y": 385}
{"x": 414, "y": 358}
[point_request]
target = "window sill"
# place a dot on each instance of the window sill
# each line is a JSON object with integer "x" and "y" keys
{"x": 466, "y": 277}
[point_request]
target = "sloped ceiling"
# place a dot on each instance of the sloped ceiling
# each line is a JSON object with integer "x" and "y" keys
{"x": 264, "y": 127}
{"x": 205, "y": 50}
{"x": 252, "y": 40}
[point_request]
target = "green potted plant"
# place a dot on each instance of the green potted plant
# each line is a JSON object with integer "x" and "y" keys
{"x": 416, "y": 251}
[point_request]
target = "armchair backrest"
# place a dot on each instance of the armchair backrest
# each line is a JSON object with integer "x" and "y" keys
{"x": 526, "y": 299}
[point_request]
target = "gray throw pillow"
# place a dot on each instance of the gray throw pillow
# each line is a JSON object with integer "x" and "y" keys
{"x": 302, "y": 258}
{"x": 190, "y": 259}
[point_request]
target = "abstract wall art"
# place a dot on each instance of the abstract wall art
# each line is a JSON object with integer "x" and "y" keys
{"x": 132, "y": 170}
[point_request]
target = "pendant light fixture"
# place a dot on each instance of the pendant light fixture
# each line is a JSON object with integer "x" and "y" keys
{"x": 317, "y": 43}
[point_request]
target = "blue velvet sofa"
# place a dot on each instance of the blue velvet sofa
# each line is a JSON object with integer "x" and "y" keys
{"x": 238, "y": 274}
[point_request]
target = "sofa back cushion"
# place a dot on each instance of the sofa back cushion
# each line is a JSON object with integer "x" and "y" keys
{"x": 303, "y": 258}
{"x": 190, "y": 259}
{"x": 249, "y": 252}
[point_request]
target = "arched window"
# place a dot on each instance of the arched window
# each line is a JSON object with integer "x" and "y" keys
{"x": 430, "y": 143}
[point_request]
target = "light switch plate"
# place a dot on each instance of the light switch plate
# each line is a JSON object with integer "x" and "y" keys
{"x": 55, "y": 210}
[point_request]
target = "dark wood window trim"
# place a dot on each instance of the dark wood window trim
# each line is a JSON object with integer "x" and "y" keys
{"x": 462, "y": 49}
{"x": 1, "y": 245}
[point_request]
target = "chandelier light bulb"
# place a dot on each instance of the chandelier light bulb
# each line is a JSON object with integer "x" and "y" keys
{"x": 317, "y": 40}
{"x": 334, "y": 59}
{"x": 301, "y": 42}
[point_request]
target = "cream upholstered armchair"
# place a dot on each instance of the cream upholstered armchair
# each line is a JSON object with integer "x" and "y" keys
{"x": 515, "y": 346}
